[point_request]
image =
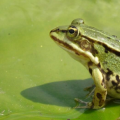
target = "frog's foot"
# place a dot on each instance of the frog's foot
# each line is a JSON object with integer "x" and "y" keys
{"x": 80, "y": 101}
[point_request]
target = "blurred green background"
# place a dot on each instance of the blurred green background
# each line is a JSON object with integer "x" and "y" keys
{"x": 39, "y": 80}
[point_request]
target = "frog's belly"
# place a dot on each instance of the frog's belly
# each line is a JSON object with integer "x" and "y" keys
{"x": 113, "y": 89}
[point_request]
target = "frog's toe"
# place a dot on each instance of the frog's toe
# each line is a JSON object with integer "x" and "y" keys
{"x": 81, "y": 107}
{"x": 78, "y": 101}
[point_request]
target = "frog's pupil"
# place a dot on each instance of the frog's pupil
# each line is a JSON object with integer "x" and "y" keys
{"x": 71, "y": 31}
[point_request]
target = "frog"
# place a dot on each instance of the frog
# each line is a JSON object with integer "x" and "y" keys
{"x": 99, "y": 52}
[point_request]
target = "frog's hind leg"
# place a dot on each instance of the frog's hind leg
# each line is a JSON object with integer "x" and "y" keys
{"x": 100, "y": 91}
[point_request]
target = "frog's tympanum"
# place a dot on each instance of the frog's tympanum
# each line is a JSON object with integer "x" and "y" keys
{"x": 99, "y": 52}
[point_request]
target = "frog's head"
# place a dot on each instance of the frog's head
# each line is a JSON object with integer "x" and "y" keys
{"x": 71, "y": 39}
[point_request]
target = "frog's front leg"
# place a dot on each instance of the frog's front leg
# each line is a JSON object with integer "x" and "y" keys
{"x": 99, "y": 93}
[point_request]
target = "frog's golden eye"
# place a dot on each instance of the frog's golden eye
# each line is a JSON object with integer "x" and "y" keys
{"x": 72, "y": 31}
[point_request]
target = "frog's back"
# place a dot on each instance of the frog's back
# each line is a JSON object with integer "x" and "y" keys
{"x": 95, "y": 35}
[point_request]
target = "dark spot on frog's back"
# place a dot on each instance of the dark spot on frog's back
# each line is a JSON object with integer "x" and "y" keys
{"x": 114, "y": 83}
{"x": 117, "y": 78}
{"x": 102, "y": 71}
{"x": 94, "y": 51}
{"x": 109, "y": 71}
{"x": 108, "y": 74}
{"x": 90, "y": 70}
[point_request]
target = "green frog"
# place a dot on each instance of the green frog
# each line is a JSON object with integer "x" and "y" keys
{"x": 99, "y": 52}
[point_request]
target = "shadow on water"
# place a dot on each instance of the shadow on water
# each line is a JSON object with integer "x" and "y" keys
{"x": 58, "y": 93}
{"x": 61, "y": 93}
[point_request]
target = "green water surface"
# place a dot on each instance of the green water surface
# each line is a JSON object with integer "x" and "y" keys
{"x": 39, "y": 80}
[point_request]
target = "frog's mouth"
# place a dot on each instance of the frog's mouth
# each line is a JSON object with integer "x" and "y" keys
{"x": 66, "y": 46}
{"x": 63, "y": 44}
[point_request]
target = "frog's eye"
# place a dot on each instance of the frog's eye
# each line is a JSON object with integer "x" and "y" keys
{"x": 72, "y": 31}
